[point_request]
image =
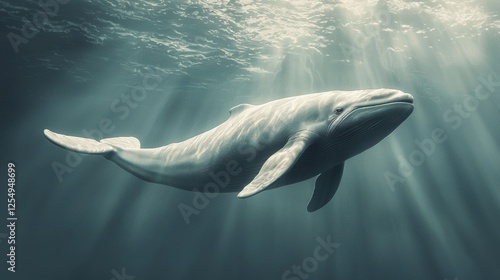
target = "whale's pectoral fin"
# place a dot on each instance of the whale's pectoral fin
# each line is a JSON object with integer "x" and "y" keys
{"x": 326, "y": 185}
{"x": 278, "y": 164}
{"x": 91, "y": 146}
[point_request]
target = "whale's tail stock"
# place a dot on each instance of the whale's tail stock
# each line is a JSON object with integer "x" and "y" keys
{"x": 91, "y": 146}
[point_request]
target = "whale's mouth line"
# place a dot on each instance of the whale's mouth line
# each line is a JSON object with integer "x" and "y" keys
{"x": 337, "y": 122}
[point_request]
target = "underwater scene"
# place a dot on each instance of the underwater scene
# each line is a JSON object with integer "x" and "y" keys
{"x": 404, "y": 134}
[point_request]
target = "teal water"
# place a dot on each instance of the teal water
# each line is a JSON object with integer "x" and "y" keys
{"x": 422, "y": 204}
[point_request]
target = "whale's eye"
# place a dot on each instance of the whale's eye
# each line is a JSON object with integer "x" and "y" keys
{"x": 339, "y": 110}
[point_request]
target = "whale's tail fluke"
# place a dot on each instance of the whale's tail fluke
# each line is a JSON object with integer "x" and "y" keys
{"x": 91, "y": 146}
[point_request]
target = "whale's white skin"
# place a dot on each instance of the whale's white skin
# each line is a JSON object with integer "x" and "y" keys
{"x": 265, "y": 146}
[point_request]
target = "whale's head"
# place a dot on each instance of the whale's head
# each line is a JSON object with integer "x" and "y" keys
{"x": 360, "y": 119}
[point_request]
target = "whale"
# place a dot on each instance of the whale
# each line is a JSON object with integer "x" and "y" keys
{"x": 266, "y": 146}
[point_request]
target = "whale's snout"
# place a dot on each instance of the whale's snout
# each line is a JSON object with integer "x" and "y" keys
{"x": 382, "y": 96}
{"x": 374, "y": 115}
{"x": 390, "y": 95}
{"x": 404, "y": 97}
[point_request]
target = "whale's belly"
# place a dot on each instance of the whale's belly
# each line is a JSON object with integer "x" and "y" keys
{"x": 236, "y": 166}
{"x": 317, "y": 159}
{"x": 233, "y": 172}
{"x": 229, "y": 155}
